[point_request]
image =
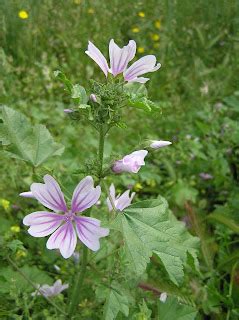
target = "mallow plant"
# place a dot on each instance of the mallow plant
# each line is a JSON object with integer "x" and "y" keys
{"x": 131, "y": 237}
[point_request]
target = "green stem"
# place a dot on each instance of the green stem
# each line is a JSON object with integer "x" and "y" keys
{"x": 101, "y": 150}
{"x": 75, "y": 298}
{"x": 33, "y": 285}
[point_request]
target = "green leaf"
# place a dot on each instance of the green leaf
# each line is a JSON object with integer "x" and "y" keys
{"x": 117, "y": 299}
{"x": 33, "y": 144}
{"x": 138, "y": 89}
{"x": 62, "y": 77}
{"x": 147, "y": 228}
{"x": 76, "y": 91}
{"x": 13, "y": 278}
{"x": 79, "y": 93}
{"x": 15, "y": 245}
{"x": 143, "y": 103}
{"x": 173, "y": 310}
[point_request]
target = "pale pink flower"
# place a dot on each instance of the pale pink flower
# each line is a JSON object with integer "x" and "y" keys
{"x": 51, "y": 291}
{"x": 120, "y": 201}
{"x": 156, "y": 144}
{"x": 131, "y": 162}
{"x": 119, "y": 60}
{"x": 64, "y": 228}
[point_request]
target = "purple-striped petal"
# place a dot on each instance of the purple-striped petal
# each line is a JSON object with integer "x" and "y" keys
{"x": 89, "y": 232}
{"x": 121, "y": 201}
{"x": 49, "y": 194}
{"x": 120, "y": 57}
{"x": 124, "y": 200}
{"x": 94, "y": 53}
{"x": 64, "y": 239}
{"x": 42, "y": 223}
{"x": 84, "y": 186}
{"x": 85, "y": 195}
{"x": 143, "y": 65}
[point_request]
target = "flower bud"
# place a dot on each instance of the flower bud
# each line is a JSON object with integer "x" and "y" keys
{"x": 93, "y": 97}
{"x": 131, "y": 162}
{"x": 156, "y": 144}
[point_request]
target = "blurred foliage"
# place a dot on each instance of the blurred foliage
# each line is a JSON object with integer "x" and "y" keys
{"x": 197, "y": 91}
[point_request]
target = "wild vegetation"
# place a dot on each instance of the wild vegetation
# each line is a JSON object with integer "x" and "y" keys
{"x": 173, "y": 253}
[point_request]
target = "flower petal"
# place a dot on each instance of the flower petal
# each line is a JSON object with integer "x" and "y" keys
{"x": 85, "y": 199}
{"x": 139, "y": 79}
{"x": 112, "y": 194}
{"x": 120, "y": 57}
{"x": 84, "y": 186}
{"x": 143, "y": 65}
{"x": 49, "y": 194}
{"x": 64, "y": 238}
{"x": 124, "y": 200}
{"x": 89, "y": 232}
{"x": 94, "y": 53}
{"x": 42, "y": 223}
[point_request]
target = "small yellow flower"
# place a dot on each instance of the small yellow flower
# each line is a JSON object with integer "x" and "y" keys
{"x": 140, "y": 49}
{"x": 155, "y": 37}
{"x": 21, "y": 254}
{"x": 23, "y": 14}
{"x": 157, "y": 24}
{"x": 77, "y": 1}
{"x": 138, "y": 186}
{"x": 15, "y": 229}
{"x": 91, "y": 11}
{"x": 135, "y": 30}
{"x": 5, "y": 204}
{"x": 141, "y": 14}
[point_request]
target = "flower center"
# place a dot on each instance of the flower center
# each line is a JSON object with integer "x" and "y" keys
{"x": 69, "y": 216}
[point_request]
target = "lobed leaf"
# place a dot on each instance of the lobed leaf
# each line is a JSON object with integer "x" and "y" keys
{"x": 148, "y": 228}
{"x": 33, "y": 144}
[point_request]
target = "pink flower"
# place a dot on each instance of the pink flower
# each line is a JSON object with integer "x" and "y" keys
{"x": 119, "y": 60}
{"x": 156, "y": 144}
{"x": 131, "y": 162}
{"x": 51, "y": 291}
{"x": 64, "y": 228}
{"x": 120, "y": 201}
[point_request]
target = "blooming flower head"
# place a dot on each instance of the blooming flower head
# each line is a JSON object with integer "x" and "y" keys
{"x": 23, "y": 14}
{"x": 131, "y": 162}
{"x": 64, "y": 227}
{"x": 156, "y": 144}
{"x": 119, "y": 60}
{"x": 120, "y": 201}
{"x": 51, "y": 291}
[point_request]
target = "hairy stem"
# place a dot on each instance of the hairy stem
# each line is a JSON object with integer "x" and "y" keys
{"x": 33, "y": 285}
{"x": 75, "y": 298}
{"x": 101, "y": 151}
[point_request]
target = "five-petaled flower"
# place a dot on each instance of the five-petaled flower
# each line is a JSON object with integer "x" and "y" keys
{"x": 50, "y": 291}
{"x": 120, "y": 201}
{"x": 131, "y": 162}
{"x": 119, "y": 59}
{"x": 64, "y": 227}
